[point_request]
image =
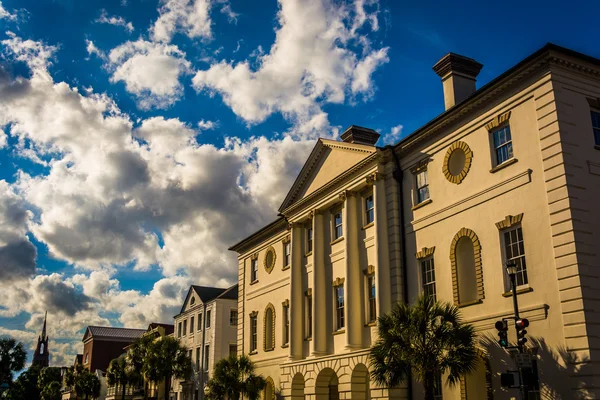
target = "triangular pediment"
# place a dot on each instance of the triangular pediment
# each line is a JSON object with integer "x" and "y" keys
{"x": 328, "y": 160}
{"x": 192, "y": 300}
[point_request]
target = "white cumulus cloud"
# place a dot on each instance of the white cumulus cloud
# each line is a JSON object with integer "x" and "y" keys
{"x": 104, "y": 18}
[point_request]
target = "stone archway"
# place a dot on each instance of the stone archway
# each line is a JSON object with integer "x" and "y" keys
{"x": 326, "y": 385}
{"x": 298, "y": 387}
{"x": 269, "y": 391}
{"x": 359, "y": 383}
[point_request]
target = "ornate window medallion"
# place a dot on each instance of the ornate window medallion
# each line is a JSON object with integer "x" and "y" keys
{"x": 270, "y": 257}
{"x": 457, "y": 162}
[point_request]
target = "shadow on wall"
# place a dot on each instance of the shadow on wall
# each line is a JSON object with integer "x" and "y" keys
{"x": 557, "y": 368}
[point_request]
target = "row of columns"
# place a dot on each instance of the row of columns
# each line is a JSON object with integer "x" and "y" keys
{"x": 354, "y": 296}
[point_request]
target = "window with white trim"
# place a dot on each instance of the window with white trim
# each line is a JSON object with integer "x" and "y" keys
{"x": 514, "y": 250}
{"x": 339, "y": 307}
{"x": 286, "y": 324}
{"x": 254, "y": 269}
{"x": 287, "y": 253}
{"x": 503, "y": 147}
{"x": 369, "y": 209}
{"x": 233, "y": 317}
{"x": 338, "y": 229}
{"x": 428, "y": 277}
{"x": 253, "y": 333}
{"x": 422, "y": 185}
{"x": 309, "y": 239}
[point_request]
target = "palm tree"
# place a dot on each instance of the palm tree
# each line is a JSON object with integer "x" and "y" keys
{"x": 135, "y": 358}
{"x": 166, "y": 358}
{"x": 117, "y": 375}
{"x": 12, "y": 358}
{"x": 232, "y": 377}
{"x": 423, "y": 340}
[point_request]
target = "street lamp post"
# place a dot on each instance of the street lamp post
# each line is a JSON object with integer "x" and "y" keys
{"x": 511, "y": 269}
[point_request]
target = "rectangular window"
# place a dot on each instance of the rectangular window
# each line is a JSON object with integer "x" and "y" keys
{"x": 286, "y": 324}
{"x": 253, "y": 333}
{"x": 200, "y": 321}
{"x": 339, "y": 307}
{"x": 208, "y": 312}
{"x": 184, "y": 327}
{"x": 338, "y": 230}
{"x": 192, "y": 326}
{"x": 372, "y": 296}
{"x": 179, "y": 330}
{"x": 596, "y": 126}
{"x": 190, "y": 354}
{"x": 514, "y": 250}
{"x": 369, "y": 209}
{"x": 254, "y": 270}
{"x": 206, "y": 356}
{"x": 422, "y": 182}
{"x": 198, "y": 357}
{"x": 308, "y": 316}
{"x": 428, "y": 277}
{"x": 233, "y": 315}
{"x": 287, "y": 251}
{"x": 232, "y": 350}
{"x": 309, "y": 239}
{"x": 502, "y": 144}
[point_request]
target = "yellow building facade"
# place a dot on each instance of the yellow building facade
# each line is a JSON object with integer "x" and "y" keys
{"x": 509, "y": 172}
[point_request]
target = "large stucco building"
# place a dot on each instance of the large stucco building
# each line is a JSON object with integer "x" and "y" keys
{"x": 510, "y": 171}
{"x": 207, "y": 326}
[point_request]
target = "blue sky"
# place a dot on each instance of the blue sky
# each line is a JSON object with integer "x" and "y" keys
{"x": 143, "y": 137}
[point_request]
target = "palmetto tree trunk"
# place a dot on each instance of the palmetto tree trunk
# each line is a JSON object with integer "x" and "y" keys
{"x": 124, "y": 387}
{"x": 428, "y": 384}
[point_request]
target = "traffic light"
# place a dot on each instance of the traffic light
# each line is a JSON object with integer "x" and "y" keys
{"x": 502, "y": 327}
{"x": 521, "y": 324}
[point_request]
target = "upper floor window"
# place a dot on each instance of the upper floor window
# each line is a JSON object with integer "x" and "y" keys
{"x": 253, "y": 332}
{"x": 87, "y": 358}
{"x": 208, "y": 312}
{"x": 309, "y": 239}
{"x": 339, "y": 307}
{"x": 422, "y": 185}
{"x": 206, "y": 356}
{"x": 269, "y": 328}
{"x": 428, "y": 277}
{"x": 596, "y": 126}
{"x": 254, "y": 269}
{"x": 179, "y": 329}
{"x": 308, "y": 315}
{"x": 232, "y": 350}
{"x": 198, "y": 349}
{"x": 287, "y": 251}
{"x": 503, "y": 147}
{"x": 338, "y": 230}
{"x": 369, "y": 209}
{"x": 184, "y": 327}
{"x": 514, "y": 251}
{"x": 286, "y": 322}
{"x": 192, "y": 326}
{"x": 372, "y": 298}
{"x": 199, "y": 322}
{"x": 233, "y": 316}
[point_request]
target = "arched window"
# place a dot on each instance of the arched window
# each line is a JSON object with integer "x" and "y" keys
{"x": 42, "y": 348}
{"x": 467, "y": 274}
{"x": 269, "y": 328}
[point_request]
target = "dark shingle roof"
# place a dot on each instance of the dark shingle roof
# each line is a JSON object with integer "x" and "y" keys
{"x": 207, "y": 293}
{"x": 231, "y": 293}
{"x": 124, "y": 334}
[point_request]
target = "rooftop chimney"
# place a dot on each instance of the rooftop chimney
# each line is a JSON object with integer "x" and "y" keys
{"x": 458, "y": 75}
{"x": 360, "y": 135}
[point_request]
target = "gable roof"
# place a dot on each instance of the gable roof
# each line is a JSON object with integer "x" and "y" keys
{"x": 117, "y": 334}
{"x": 209, "y": 293}
{"x": 169, "y": 328}
{"x": 313, "y": 161}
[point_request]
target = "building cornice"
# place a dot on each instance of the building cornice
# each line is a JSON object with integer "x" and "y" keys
{"x": 540, "y": 60}
{"x": 277, "y": 226}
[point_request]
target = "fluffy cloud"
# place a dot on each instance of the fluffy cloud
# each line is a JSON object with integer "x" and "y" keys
{"x": 150, "y": 71}
{"x": 394, "y": 135}
{"x": 319, "y": 56}
{"x": 190, "y": 17}
{"x": 117, "y": 21}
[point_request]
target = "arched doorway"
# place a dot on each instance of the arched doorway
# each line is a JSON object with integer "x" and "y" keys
{"x": 359, "y": 383}
{"x": 326, "y": 385}
{"x": 298, "y": 387}
{"x": 478, "y": 384}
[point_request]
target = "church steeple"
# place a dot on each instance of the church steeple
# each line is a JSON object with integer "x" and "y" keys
{"x": 41, "y": 356}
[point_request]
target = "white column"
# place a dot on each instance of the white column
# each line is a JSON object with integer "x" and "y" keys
{"x": 382, "y": 267}
{"x": 353, "y": 293}
{"x": 296, "y": 296}
{"x": 318, "y": 346}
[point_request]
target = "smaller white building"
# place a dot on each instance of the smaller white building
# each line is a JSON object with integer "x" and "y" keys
{"x": 207, "y": 326}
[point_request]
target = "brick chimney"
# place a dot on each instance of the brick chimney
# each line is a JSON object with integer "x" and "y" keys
{"x": 458, "y": 75}
{"x": 360, "y": 135}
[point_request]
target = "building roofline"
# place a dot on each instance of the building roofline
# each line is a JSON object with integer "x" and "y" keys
{"x": 459, "y": 109}
{"x": 274, "y": 226}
